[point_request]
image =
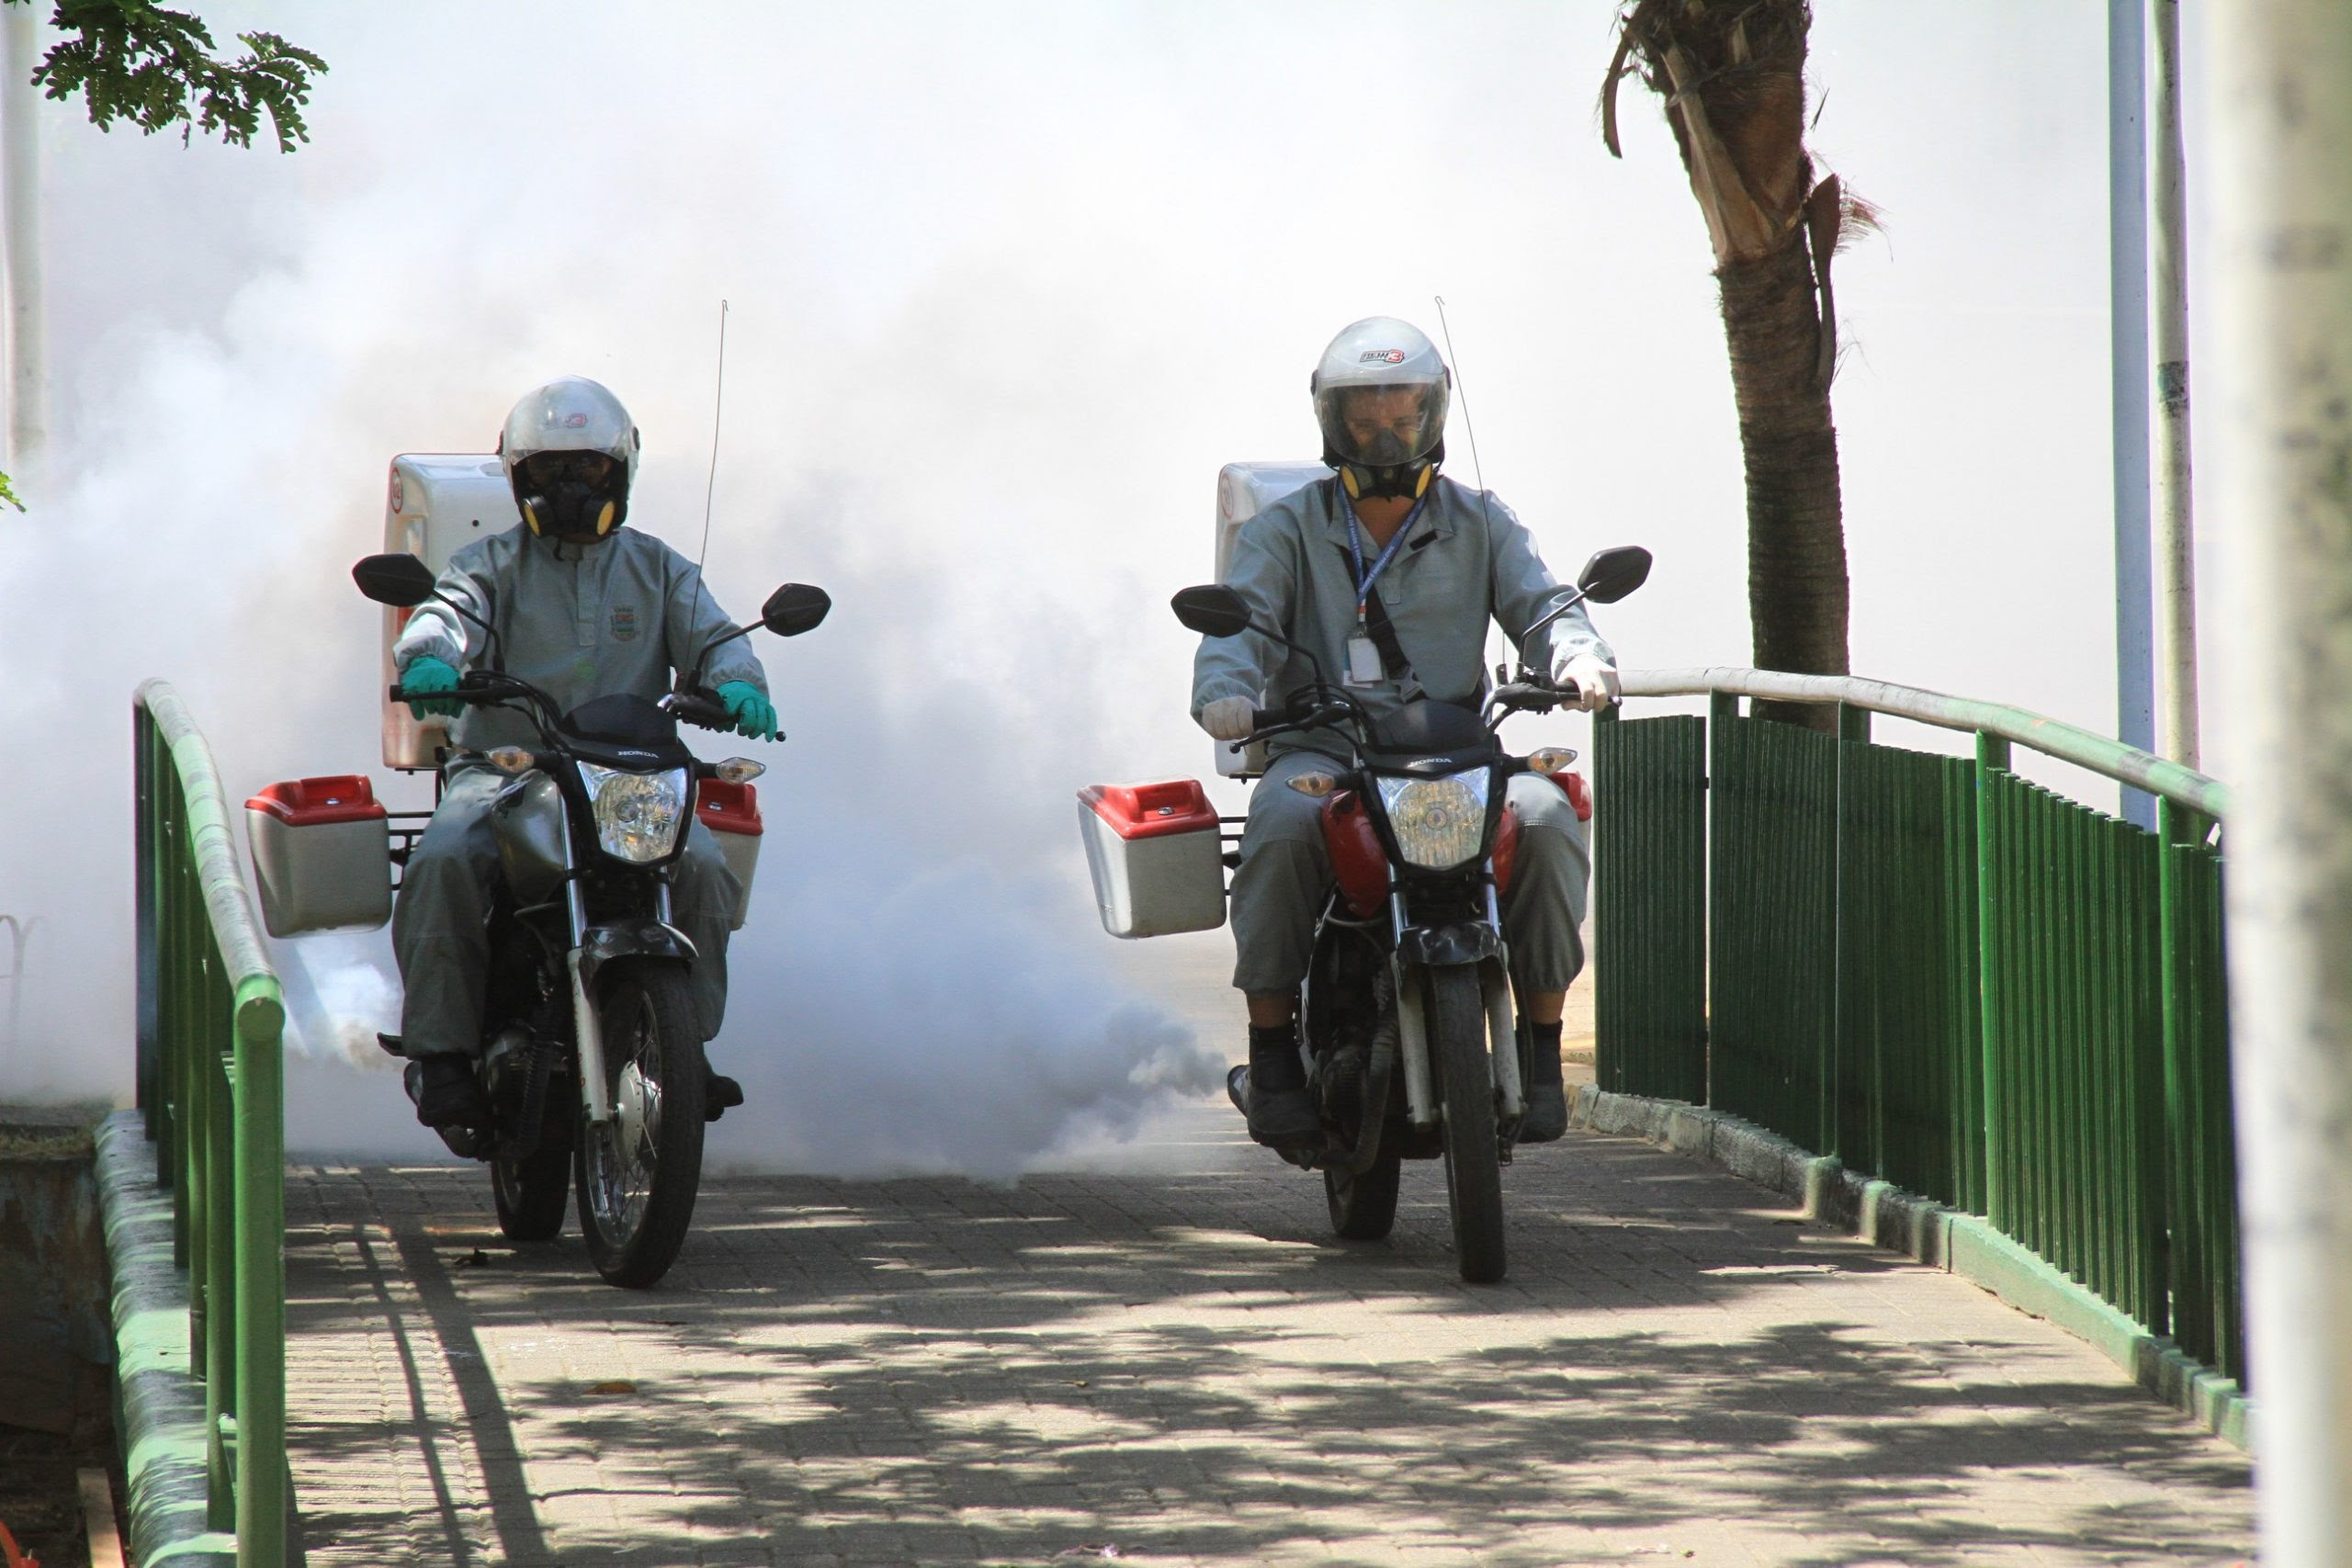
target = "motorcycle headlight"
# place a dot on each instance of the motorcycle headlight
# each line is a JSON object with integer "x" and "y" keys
{"x": 1437, "y": 823}
{"x": 638, "y": 816}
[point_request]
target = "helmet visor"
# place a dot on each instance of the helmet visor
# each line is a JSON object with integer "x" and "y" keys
{"x": 1383, "y": 424}
{"x": 550, "y": 468}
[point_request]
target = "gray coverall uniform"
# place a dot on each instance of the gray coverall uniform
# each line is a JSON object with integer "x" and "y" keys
{"x": 578, "y": 622}
{"x": 1464, "y": 559}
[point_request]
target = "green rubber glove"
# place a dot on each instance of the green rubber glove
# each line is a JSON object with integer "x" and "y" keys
{"x": 426, "y": 675}
{"x": 753, "y": 713}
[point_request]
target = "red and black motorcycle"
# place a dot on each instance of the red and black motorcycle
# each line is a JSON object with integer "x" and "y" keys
{"x": 1405, "y": 1013}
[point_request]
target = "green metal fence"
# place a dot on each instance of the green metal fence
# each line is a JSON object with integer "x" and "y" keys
{"x": 1944, "y": 976}
{"x": 210, "y": 1088}
{"x": 1773, "y": 912}
{"x": 1650, "y": 870}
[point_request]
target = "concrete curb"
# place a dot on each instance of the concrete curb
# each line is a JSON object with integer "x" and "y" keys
{"x": 159, "y": 1407}
{"x": 1887, "y": 1216}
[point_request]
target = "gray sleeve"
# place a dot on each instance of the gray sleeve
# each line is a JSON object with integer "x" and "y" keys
{"x": 692, "y": 620}
{"x": 436, "y": 631}
{"x": 1263, "y": 570}
{"x": 1525, "y": 591}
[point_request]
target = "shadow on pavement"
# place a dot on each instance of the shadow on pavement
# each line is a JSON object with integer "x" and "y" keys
{"x": 1185, "y": 1367}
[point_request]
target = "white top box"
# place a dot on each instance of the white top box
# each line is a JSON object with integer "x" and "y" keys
{"x": 1243, "y": 490}
{"x": 438, "y": 504}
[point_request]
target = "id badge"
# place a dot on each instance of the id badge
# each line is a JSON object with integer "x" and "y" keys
{"x": 1364, "y": 662}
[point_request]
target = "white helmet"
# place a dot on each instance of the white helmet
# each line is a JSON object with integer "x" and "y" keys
{"x": 1382, "y": 445}
{"x": 552, "y": 445}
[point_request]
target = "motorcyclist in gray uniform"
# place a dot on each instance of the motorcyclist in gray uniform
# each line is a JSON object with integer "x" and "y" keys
{"x": 583, "y": 608}
{"x": 1389, "y": 573}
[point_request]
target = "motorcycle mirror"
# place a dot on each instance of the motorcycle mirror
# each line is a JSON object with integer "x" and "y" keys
{"x": 795, "y": 608}
{"x": 1212, "y": 610}
{"x": 401, "y": 580}
{"x": 1613, "y": 573}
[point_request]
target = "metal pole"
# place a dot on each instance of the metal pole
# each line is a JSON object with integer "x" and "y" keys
{"x": 2175, "y": 533}
{"x": 20, "y": 247}
{"x": 2126, "y": 252}
{"x": 2281, "y": 380}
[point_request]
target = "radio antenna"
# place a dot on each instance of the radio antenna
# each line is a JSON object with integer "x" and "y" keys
{"x": 718, "y": 403}
{"x": 1454, "y": 359}
{"x": 1477, "y": 470}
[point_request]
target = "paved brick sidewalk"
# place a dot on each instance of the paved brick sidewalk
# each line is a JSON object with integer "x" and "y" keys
{"x": 1181, "y": 1367}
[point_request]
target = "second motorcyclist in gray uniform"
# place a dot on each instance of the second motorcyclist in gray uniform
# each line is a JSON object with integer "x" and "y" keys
{"x": 583, "y": 607}
{"x": 1389, "y": 573}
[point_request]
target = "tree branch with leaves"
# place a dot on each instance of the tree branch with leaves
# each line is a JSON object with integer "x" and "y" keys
{"x": 156, "y": 68}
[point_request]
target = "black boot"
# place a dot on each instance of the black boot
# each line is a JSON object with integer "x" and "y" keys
{"x": 720, "y": 1093}
{"x": 448, "y": 1093}
{"x": 1281, "y": 1114}
{"x": 1547, "y": 1098}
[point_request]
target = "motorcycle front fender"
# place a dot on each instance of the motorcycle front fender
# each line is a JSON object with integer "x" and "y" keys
{"x": 600, "y": 945}
{"x": 1465, "y": 942}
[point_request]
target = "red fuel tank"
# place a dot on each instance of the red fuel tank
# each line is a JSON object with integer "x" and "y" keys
{"x": 1507, "y": 835}
{"x": 1357, "y": 860}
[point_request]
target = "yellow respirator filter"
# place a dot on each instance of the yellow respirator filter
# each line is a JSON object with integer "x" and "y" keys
{"x": 1350, "y": 482}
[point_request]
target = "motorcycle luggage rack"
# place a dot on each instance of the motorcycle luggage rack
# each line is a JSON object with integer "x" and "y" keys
{"x": 404, "y": 839}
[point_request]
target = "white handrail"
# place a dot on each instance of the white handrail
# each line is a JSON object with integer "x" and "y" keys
{"x": 2071, "y": 743}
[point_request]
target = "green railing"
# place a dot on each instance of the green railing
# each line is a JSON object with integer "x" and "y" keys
{"x": 1943, "y": 975}
{"x": 210, "y": 1088}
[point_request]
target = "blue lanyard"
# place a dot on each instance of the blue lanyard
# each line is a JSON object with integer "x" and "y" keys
{"x": 1365, "y": 579}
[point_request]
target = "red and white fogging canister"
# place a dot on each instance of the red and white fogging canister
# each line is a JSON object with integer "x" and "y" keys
{"x": 731, "y": 812}
{"x": 322, "y": 852}
{"x": 1155, "y": 857}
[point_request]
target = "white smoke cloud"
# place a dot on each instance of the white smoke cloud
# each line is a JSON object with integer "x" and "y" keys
{"x": 1008, "y": 284}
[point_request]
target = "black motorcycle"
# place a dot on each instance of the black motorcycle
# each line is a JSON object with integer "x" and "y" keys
{"x": 1406, "y": 1012}
{"x": 590, "y": 1059}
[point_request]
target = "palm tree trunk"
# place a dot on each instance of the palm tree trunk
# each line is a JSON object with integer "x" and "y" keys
{"x": 1796, "y": 540}
{"x": 1731, "y": 73}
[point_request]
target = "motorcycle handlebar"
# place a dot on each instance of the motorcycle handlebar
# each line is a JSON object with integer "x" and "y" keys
{"x": 1265, "y": 722}
{"x": 399, "y": 694}
{"x": 696, "y": 709}
{"x": 475, "y": 686}
{"x": 1535, "y": 695}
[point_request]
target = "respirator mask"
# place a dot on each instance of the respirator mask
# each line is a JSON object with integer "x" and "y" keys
{"x": 577, "y": 497}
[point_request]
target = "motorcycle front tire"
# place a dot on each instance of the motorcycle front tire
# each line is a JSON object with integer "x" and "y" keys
{"x": 1473, "y": 1184}
{"x": 637, "y": 1176}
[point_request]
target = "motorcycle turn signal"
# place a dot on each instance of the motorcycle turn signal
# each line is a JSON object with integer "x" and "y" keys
{"x": 1550, "y": 759}
{"x": 512, "y": 759}
{"x": 737, "y": 770}
{"x": 1315, "y": 785}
